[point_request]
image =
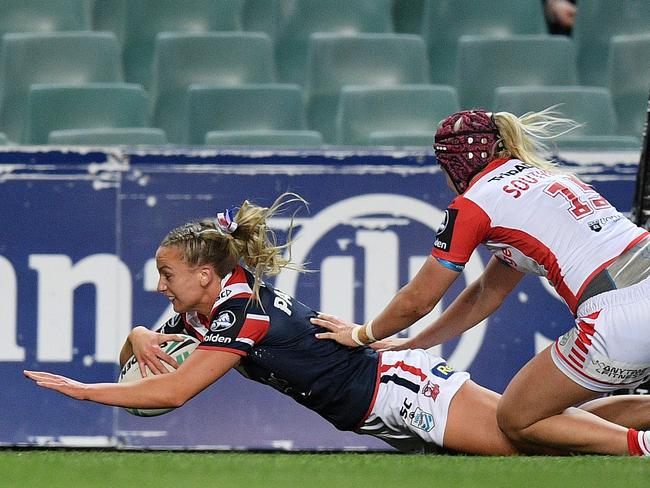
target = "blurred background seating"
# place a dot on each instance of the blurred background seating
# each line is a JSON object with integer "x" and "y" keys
{"x": 471, "y": 46}
{"x": 53, "y": 107}
{"x": 337, "y": 60}
{"x": 396, "y": 115}
{"x": 54, "y": 57}
{"x": 128, "y": 136}
{"x": 218, "y": 58}
{"x": 485, "y": 63}
{"x": 277, "y": 138}
{"x": 266, "y": 107}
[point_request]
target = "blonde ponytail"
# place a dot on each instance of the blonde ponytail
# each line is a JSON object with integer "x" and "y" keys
{"x": 252, "y": 242}
{"x": 523, "y": 137}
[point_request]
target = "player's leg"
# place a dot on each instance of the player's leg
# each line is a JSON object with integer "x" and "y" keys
{"x": 472, "y": 425}
{"x": 632, "y": 411}
{"x": 534, "y": 409}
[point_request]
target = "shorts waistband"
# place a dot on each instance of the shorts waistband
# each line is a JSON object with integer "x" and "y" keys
{"x": 603, "y": 281}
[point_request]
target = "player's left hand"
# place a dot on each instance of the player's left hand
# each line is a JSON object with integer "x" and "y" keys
{"x": 339, "y": 330}
{"x": 67, "y": 386}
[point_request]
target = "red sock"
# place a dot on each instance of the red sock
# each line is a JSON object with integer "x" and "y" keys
{"x": 633, "y": 443}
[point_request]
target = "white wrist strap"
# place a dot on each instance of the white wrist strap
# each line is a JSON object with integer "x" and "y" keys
{"x": 355, "y": 335}
{"x": 369, "y": 332}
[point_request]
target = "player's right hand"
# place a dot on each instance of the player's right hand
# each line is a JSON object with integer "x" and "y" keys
{"x": 146, "y": 349}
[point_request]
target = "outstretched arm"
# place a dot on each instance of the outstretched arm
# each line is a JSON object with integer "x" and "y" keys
{"x": 416, "y": 299}
{"x": 196, "y": 373}
{"x": 474, "y": 304}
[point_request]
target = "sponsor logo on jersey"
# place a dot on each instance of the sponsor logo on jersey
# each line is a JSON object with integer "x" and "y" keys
{"x": 422, "y": 420}
{"x": 511, "y": 172}
{"x": 597, "y": 225}
{"x": 443, "y": 370}
{"x": 446, "y": 230}
{"x": 224, "y": 321}
{"x": 217, "y": 339}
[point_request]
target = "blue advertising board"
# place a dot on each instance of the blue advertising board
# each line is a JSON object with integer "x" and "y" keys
{"x": 77, "y": 272}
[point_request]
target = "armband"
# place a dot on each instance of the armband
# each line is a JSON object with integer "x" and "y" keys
{"x": 452, "y": 266}
{"x": 369, "y": 333}
{"x": 355, "y": 335}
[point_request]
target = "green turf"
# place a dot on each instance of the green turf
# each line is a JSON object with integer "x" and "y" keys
{"x": 91, "y": 469}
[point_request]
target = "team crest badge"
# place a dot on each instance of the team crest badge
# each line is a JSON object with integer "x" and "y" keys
{"x": 224, "y": 321}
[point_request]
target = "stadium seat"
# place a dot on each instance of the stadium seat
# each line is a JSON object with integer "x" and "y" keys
{"x": 393, "y": 113}
{"x": 590, "y": 106}
{"x": 91, "y": 106}
{"x": 219, "y": 58}
{"x": 110, "y": 16}
{"x": 126, "y": 136}
{"x": 445, "y": 21}
{"x": 485, "y": 63}
{"x": 337, "y": 60}
{"x": 59, "y": 57}
{"x": 292, "y": 138}
{"x": 596, "y": 143}
{"x": 4, "y": 140}
{"x": 146, "y": 18}
{"x": 247, "y": 107}
{"x": 305, "y": 17}
{"x": 407, "y": 16}
{"x": 262, "y": 16}
{"x": 596, "y": 22}
{"x": 44, "y": 16}
{"x": 629, "y": 81}
{"x": 420, "y": 138}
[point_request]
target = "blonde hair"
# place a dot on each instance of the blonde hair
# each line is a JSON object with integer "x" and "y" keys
{"x": 252, "y": 243}
{"x": 523, "y": 137}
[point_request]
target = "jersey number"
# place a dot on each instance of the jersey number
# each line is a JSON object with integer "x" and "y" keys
{"x": 579, "y": 207}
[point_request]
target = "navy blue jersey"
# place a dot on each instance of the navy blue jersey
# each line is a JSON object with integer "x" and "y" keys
{"x": 276, "y": 341}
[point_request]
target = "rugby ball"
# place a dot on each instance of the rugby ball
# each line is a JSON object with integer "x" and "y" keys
{"x": 179, "y": 350}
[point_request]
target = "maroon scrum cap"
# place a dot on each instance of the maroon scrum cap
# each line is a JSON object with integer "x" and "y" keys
{"x": 465, "y": 143}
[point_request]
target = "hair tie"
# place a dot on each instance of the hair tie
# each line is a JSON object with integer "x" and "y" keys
{"x": 226, "y": 220}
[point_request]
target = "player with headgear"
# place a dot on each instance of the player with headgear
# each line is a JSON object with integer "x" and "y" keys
{"x": 535, "y": 218}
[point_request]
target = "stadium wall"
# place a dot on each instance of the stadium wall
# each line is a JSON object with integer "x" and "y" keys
{"x": 80, "y": 229}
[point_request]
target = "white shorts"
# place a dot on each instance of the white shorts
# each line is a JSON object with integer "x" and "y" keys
{"x": 609, "y": 347}
{"x": 412, "y": 400}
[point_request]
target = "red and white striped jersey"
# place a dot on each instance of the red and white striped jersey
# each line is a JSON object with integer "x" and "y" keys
{"x": 544, "y": 223}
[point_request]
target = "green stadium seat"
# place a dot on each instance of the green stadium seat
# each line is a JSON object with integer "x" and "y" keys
{"x": 247, "y": 107}
{"x": 305, "y": 17}
{"x": 287, "y": 138}
{"x": 445, "y": 21}
{"x": 629, "y": 81}
{"x": 485, "y": 63}
{"x": 125, "y": 136}
{"x": 4, "y": 140}
{"x": 144, "y": 19}
{"x": 393, "y": 113}
{"x": 262, "y": 16}
{"x": 596, "y": 143}
{"x": 337, "y": 60}
{"x": 91, "y": 106}
{"x": 58, "y": 57}
{"x": 596, "y": 22}
{"x": 44, "y": 16}
{"x": 423, "y": 139}
{"x": 407, "y": 16}
{"x": 110, "y": 16}
{"x": 218, "y": 58}
{"x": 590, "y": 106}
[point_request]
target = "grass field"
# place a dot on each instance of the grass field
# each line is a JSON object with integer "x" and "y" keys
{"x": 92, "y": 469}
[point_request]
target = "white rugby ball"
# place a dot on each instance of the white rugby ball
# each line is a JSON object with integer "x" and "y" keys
{"x": 179, "y": 350}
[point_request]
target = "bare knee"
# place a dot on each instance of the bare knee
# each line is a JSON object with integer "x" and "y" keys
{"x": 511, "y": 423}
